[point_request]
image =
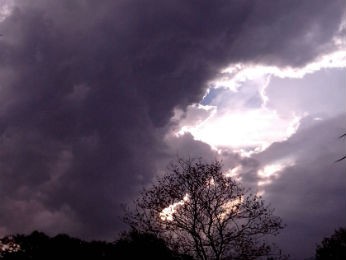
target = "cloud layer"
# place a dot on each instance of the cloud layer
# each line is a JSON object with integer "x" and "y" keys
{"x": 87, "y": 91}
{"x": 310, "y": 193}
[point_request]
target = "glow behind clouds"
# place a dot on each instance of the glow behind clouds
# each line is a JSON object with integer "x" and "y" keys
{"x": 88, "y": 90}
{"x": 238, "y": 117}
{"x": 5, "y": 9}
{"x": 255, "y": 129}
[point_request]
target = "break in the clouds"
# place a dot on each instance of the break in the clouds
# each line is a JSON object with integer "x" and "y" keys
{"x": 91, "y": 93}
{"x": 266, "y": 104}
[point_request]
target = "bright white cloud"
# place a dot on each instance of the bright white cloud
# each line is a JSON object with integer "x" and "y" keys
{"x": 167, "y": 213}
{"x": 6, "y": 7}
{"x": 238, "y": 117}
{"x": 234, "y": 172}
{"x": 238, "y": 124}
{"x": 253, "y": 128}
{"x": 271, "y": 171}
{"x": 235, "y": 75}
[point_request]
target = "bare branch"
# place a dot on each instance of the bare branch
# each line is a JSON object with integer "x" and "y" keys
{"x": 210, "y": 216}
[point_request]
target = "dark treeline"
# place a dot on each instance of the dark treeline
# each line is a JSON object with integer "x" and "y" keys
{"x": 218, "y": 220}
{"x": 131, "y": 245}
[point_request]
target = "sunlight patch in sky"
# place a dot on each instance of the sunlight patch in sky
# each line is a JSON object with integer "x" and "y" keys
{"x": 5, "y": 9}
{"x": 236, "y": 74}
{"x": 167, "y": 213}
{"x": 234, "y": 111}
{"x": 231, "y": 207}
{"x": 250, "y": 128}
{"x": 235, "y": 173}
{"x": 270, "y": 172}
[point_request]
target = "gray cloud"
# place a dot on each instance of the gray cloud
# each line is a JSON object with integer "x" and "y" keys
{"x": 310, "y": 196}
{"x": 87, "y": 90}
{"x": 306, "y": 94}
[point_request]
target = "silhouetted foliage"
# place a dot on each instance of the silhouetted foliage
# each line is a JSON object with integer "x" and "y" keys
{"x": 137, "y": 245}
{"x": 38, "y": 246}
{"x": 131, "y": 245}
{"x": 334, "y": 247}
{"x": 198, "y": 210}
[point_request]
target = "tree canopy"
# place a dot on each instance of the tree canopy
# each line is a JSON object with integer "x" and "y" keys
{"x": 139, "y": 245}
{"x": 131, "y": 245}
{"x": 38, "y": 245}
{"x": 334, "y": 247}
{"x": 199, "y": 210}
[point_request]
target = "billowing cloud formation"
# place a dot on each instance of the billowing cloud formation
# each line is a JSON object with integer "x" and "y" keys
{"x": 310, "y": 194}
{"x": 87, "y": 91}
{"x": 248, "y": 107}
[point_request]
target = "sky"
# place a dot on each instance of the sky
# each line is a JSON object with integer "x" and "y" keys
{"x": 97, "y": 97}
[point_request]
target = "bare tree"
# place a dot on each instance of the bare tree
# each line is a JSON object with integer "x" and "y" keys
{"x": 200, "y": 211}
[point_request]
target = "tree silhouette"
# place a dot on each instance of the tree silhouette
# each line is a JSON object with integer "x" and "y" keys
{"x": 198, "y": 210}
{"x": 39, "y": 246}
{"x": 334, "y": 247}
{"x": 137, "y": 245}
{"x": 131, "y": 245}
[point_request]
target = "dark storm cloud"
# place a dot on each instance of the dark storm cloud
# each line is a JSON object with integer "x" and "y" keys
{"x": 310, "y": 195}
{"x": 87, "y": 88}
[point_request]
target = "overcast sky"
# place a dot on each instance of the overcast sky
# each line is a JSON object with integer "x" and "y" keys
{"x": 96, "y": 97}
